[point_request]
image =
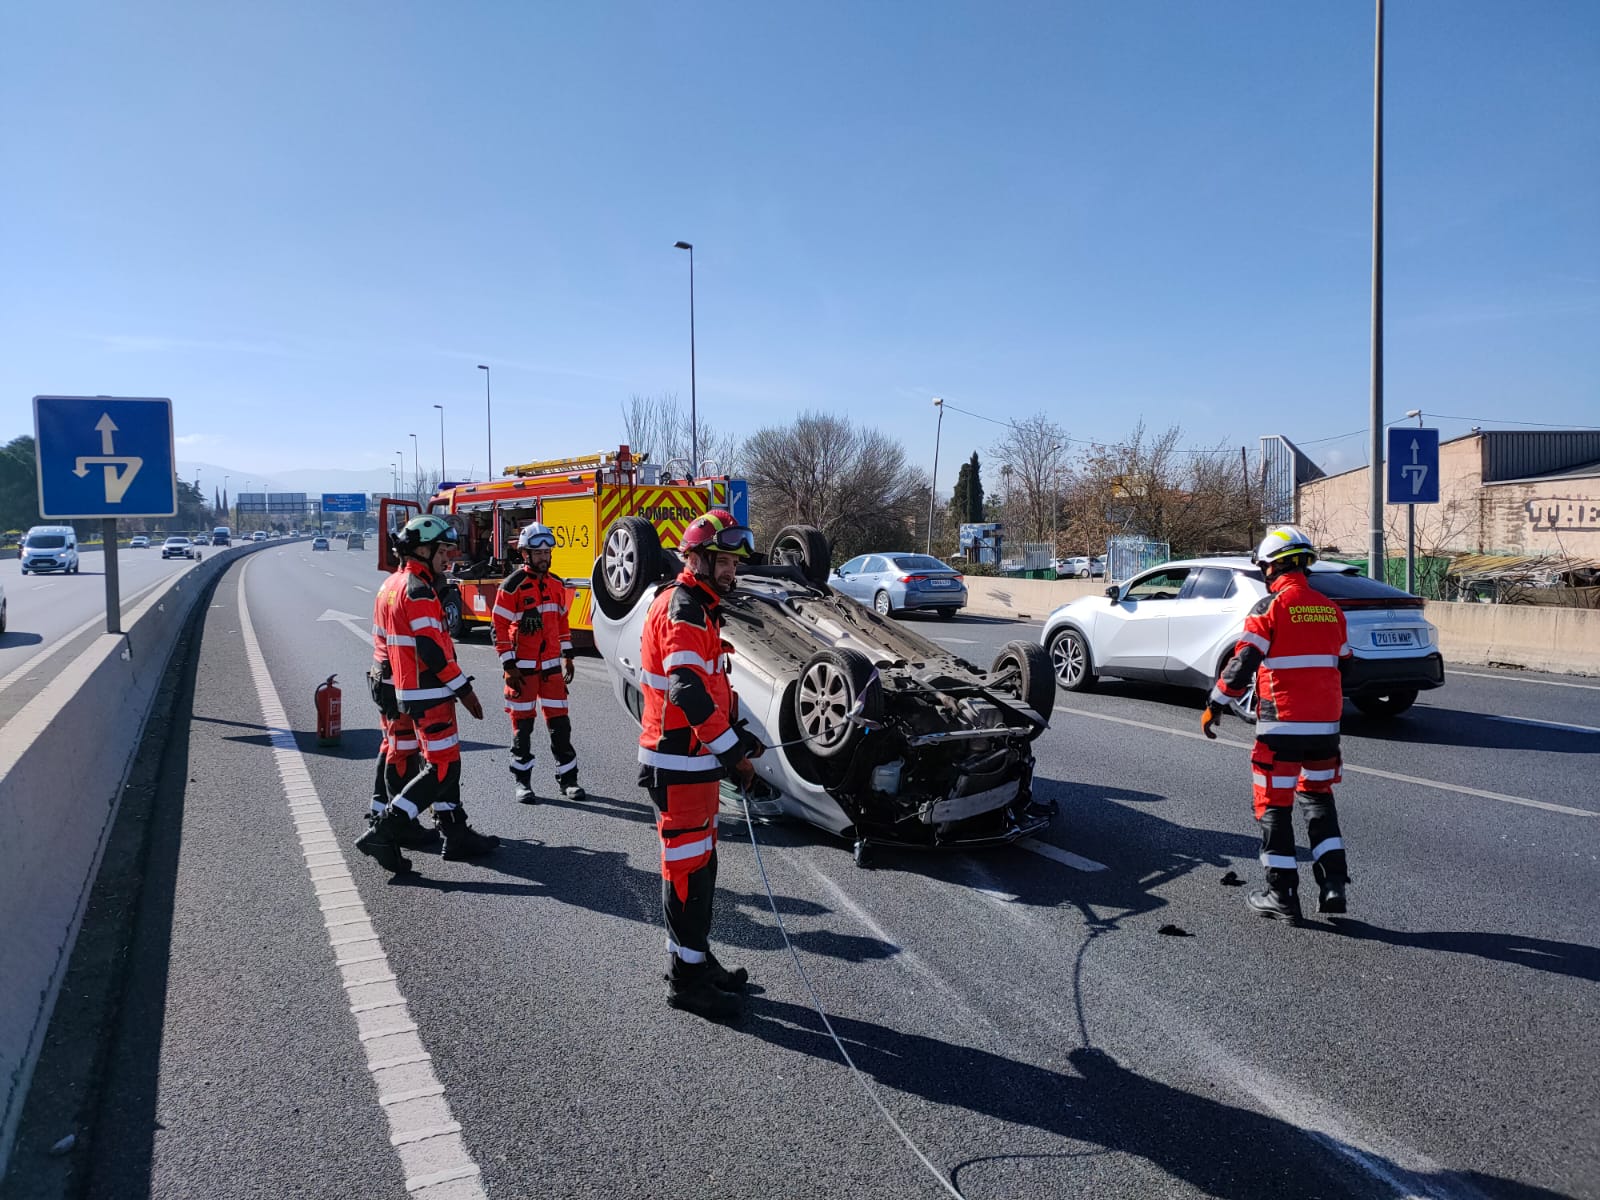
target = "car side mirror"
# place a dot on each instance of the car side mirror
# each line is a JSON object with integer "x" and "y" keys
{"x": 1114, "y": 592}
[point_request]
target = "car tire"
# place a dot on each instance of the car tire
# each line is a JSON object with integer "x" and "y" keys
{"x": 1391, "y": 704}
{"x": 833, "y": 683}
{"x": 882, "y": 605}
{"x": 947, "y": 614}
{"x": 806, "y": 547}
{"x": 1070, "y": 661}
{"x": 1030, "y": 677}
{"x": 630, "y": 561}
{"x": 2, "y": 616}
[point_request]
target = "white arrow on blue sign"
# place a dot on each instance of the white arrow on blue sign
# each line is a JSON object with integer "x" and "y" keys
{"x": 104, "y": 456}
{"x": 1413, "y": 473}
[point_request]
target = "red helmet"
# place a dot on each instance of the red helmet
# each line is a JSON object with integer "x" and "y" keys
{"x": 718, "y": 532}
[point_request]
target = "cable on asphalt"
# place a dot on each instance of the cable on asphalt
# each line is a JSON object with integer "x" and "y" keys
{"x": 816, "y": 1003}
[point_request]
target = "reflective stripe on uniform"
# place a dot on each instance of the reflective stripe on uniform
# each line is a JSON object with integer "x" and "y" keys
{"x": 688, "y": 658}
{"x": 405, "y": 743}
{"x": 1326, "y": 844}
{"x": 660, "y": 682}
{"x": 1289, "y": 662}
{"x": 1279, "y": 862}
{"x": 1277, "y": 781}
{"x": 687, "y": 850}
{"x": 506, "y": 613}
{"x": 1256, "y": 640}
{"x": 400, "y": 639}
{"x": 522, "y": 764}
{"x": 440, "y": 743}
{"x": 723, "y": 742}
{"x": 1318, "y": 775}
{"x": 678, "y": 762}
{"x": 406, "y": 806}
{"x": 1264, "y": 728}
{"x": 683, "y": 952}
{"x": 438, "y": 693}
{"x": 552, "y": 704}
{"x": 549, "y": 608}
{"x": 563, "y": 767}
{"x": 1218, "y": 696}
{"x": 550, "y": 664}
{"x": 426, "y": 623}
{"x": 522, "y": 705}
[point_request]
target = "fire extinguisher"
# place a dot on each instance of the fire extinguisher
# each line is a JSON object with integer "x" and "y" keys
{"x": 328, "y": 705}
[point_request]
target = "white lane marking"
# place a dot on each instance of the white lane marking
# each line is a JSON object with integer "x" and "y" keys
{"x": 359, "y": 588}
{"x": 421, "y": 1126}
{"x": 1348, "y": 768}
{"x": 66, "y": 639}
{"x": 329, "y": 574}
{"x": 954, "y": 641}
{"x": 1544, "y": 724}
{"x": 1588, "y": 687}
{"x": 1056, "y": 854}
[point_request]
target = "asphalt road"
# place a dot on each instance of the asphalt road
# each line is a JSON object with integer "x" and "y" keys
{"x": 1018, "y": 1011}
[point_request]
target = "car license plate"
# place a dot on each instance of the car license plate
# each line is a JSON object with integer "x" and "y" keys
{"x": 941, "y": 583}
{"x": 1393, "y": 637}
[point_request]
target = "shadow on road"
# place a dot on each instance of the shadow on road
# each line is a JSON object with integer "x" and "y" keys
{"x": 1218, "y": 1149}
{"x": 14, "y": 638}
{"x": 1542, "y": 954}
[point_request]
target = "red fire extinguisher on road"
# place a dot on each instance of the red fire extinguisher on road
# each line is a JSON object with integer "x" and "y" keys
{"x": 328, "y": 704}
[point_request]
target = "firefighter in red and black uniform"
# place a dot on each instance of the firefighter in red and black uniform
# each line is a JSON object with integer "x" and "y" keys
{"x": 534, "y": 642}
{"x": 1292, "y": 645}
{"x": 398, "y": 756}
{"x": 428, "y": 682}
{"x": 688, "y": 745}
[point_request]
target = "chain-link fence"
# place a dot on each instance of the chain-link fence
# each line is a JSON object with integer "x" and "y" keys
{"x": 1127, "y": 556}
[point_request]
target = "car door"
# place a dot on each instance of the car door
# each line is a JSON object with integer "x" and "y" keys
{"x": 846, "y": 578}
{"x": 1211, "y": 606}
{"x": 1131, "y": 639}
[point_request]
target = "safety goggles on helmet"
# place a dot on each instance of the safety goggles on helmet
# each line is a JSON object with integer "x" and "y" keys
{"x": 737, "y": 540}
{"x": 718, "y": 533}
{"x": 536, "y": 537}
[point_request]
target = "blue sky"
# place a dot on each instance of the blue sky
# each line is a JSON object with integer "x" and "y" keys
{"x": 306, "y": 223}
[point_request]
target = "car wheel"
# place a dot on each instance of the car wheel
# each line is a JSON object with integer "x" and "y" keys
{"x": 1023, "y": 671}
{"x": 1391, "y": 704}
{"x": 1245, "y": 706}
{"x": 806, "y": 547}
{"x": 947, "y": 614}
{"x": 1070, "y": 661}
{"x": 630, "y": 561}
{"x": 837, "y": 687}
{"x": 881, "y": 603}
{"x": 2, "y": 616}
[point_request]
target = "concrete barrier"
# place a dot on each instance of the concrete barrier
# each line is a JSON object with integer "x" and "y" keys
{"x": 1563, "y": 640}
{"x": 63, "y": 760}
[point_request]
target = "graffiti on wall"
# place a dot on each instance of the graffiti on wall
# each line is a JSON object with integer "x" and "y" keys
{"x": 1563, "y": 514}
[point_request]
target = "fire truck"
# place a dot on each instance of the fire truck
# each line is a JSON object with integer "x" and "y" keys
{"x": 578, "y": 498}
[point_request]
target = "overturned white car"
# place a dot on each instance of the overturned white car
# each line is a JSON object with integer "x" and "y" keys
{"x": 879, "y": 735}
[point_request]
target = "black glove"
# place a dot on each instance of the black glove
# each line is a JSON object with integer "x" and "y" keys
{"x": 1210, "y": 717}
{"x": 749, "y": 744}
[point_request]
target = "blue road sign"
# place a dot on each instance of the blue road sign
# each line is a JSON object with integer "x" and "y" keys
{"x": 351, "y": 502}
{"x": 1413, "y": 465}
{"x": 104, "y": 456}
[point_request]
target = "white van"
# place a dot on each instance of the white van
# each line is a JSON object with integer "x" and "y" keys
{"x": 50, "y": 548}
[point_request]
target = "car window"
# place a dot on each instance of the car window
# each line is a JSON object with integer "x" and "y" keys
{"x": 1353, "y": 587}
{"x": 1158, "y": 585}
{"x": 853, "y": 567}
{"x": 1210, "y": 583}
{"x": 918, "y": 562}
{"x": 873, "y": 565}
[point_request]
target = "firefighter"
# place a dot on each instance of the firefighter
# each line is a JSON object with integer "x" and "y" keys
{"x": 428, "y": 682}
{"x": 534, "y": 642}
{"x": 689, "y": 743}
{"x": 1292, "y": 646}
{"x": 397, "y": 752}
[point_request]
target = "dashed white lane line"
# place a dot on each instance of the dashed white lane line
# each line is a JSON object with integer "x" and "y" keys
{"x": 1056, "y": 854}
{"x": 1587, "y": 687}
{"x": 1348, "y": 768}
{"x": 359, "y": 588}
{"x": 422, "y": 1129}
{"x": 1544, "y": 724}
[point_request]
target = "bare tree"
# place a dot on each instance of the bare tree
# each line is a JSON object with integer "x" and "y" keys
{"x": 852, "y": 483}
{"x": 659, "y": 427}
{"x": 1030, "y": 457}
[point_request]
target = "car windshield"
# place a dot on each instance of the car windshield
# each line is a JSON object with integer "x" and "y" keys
{"x": 1354, "y": 587}
{"x": 918, "y": 562}
{"x": 47, "y": 541}
{"x": 177, "y": 541}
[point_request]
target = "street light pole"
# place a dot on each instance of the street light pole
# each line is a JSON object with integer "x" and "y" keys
{"x": 400, "y": 473}
{"x": 1375, "y": 563}
{"x": 440, "y": 407}
{"x": 933, "y": 482}
{"x": 416, "y": 468}
{"x": 694, "y": 422}
{"x": 488, "y": 417}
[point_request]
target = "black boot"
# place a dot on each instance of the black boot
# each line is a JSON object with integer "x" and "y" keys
{"x": 724, "y": 979}
{"x": 568, "y": 783}
{"x": 382, "y": 842}
{"x": 1331, "y": 885}
{"x": 462, "y": 841}
{"x": 1272, "y": 903}
{"x": 690, "y": 988}
{"x": 525, "y": 793}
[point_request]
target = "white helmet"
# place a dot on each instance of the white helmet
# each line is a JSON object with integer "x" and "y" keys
{"x": 536, "y": 537}
{"x": 1287, "y": 542}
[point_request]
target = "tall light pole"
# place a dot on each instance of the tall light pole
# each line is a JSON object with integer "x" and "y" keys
{"x": 1375, "y": 563}
{"x": 694, "y": 424}
{"x": 933, "y": 482}
{"x": 440, "y": 407}
{"x": 488, "y": 417}
{"x": 400, "y": 474}
{"x": 247, "y": 484}
{"x": 225, "y": 479}
{"x": 416, "y": 468}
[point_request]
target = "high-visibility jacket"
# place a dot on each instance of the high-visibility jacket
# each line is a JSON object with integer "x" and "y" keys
{"x": 421, "y": 655}
{"x": 530, "y": 620}
{"x": 688, "y": 734}
{"x": 1292, "y": 644}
